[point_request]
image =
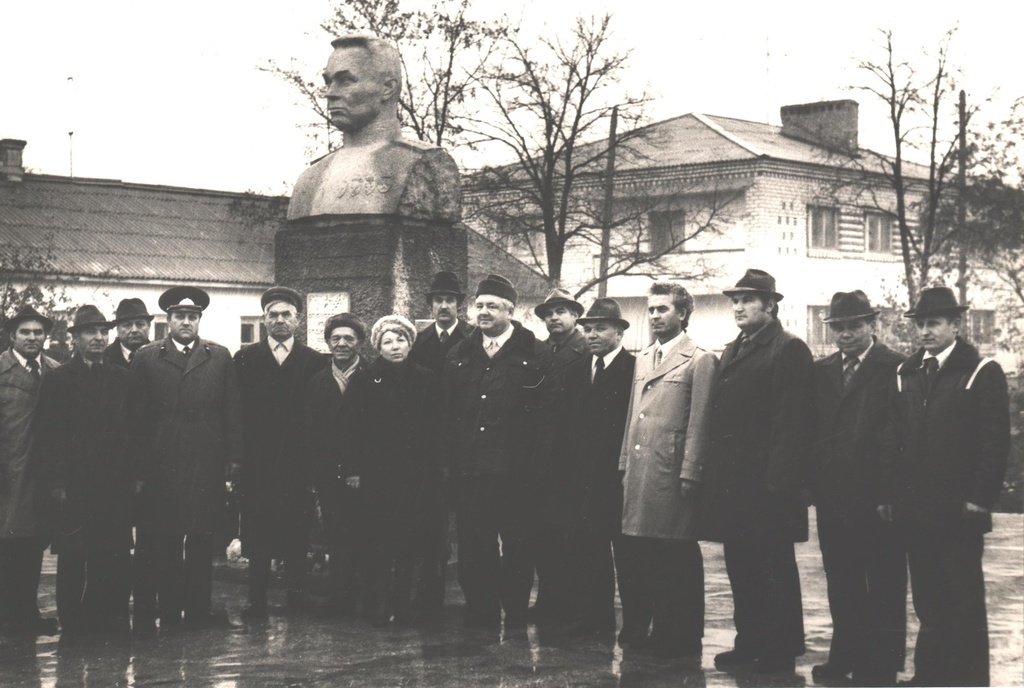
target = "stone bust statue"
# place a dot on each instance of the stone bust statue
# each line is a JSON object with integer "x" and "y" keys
{"x": 376, "y": 171}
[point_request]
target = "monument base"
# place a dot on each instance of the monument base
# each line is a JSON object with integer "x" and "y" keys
{"x": 372, "y": 264}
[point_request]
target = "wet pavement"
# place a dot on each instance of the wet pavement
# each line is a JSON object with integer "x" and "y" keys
{"x": 306, "y": 650}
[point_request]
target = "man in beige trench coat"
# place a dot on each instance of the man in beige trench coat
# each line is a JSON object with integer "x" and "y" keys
{"x": 663, "y": 452}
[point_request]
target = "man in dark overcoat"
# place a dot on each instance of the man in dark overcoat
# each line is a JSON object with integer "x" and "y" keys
{"x": 82, "y": 439}
{"x": 330, "y": 459}
{"x": 946, "y": 449}
{"x": 132, "y": 320}
{"x": 430, "y": 350}
{"x": 592, "y": 419}
{"x": 187, "y": 414}
{"x": 496, "y": 436}
{"x": 865, "y": 563}
{"x": 757, "y": 477}
{"x": 559, "y": 311}
{"x": 277, "y": 501}
{"x": 24, "y": 531}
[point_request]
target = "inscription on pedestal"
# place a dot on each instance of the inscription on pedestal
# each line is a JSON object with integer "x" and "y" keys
{"x": 319, "y": 307}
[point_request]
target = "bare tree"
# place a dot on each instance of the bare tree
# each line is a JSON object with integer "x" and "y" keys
{"x": 442, "y": 50}
{"x": 922, "y": 117}
{"x": 26, "y": 279}
{"x": 545, "y": 100}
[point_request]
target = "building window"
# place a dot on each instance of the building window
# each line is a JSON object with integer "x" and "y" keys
{"x": 253, "y": 329}
{"x": 878, "y": 232}
{"x": 983, "y": 327}
{"x": 667, "y": 229}
{"x": 822, "y": 227}
{"x": 159, "y": 331}
{"x": 818, "y": 334}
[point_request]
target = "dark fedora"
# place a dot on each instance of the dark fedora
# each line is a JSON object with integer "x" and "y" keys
{"x": 24, "y": 314}
{"x": 605, "y": 310}
{"x": 281, "y": 294}
{"x": 755, "y": 281}
{"x": 446, "y": 282}
{"x": 935, "y": 301}
{"x": 88, "y": 315}
{"x": 130, "y": 309}
{"x": 850, "y": 305}
{"x": 496, "y": 285}
{"x": 191, "y": 299}
{"x": 558, "y": 297}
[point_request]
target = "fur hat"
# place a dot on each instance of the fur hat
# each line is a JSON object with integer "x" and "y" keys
{"x": 344, "y": 320}
{"x": 496, "y": 285}
{"x": 391, "y": 323}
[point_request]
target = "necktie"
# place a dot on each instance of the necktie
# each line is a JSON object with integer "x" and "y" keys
{"x": 443, "y": 337}
{"x": 657, "y": 357}
{"x": 131, "y": 357}
{"x": 33, "y": 367}
{"x": 185, "y": 350}
{"x": 931, "y": 370}
{"x": 280, "y": 353}
{"x": 599, "y": 369}
{"x": 849, "y": 367}
{"x": 491, "y": 348}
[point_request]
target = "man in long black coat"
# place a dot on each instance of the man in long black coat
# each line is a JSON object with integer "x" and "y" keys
{"x": 592, "y": 420}
{"x": 865, "y": 562}
{"x": 755, "y": 483}
{"x": 496, "y": 438}
{"x": 330, "y": 459}
{"x": 276, "y": 497}
{"x": 186, "y": 419}
{"x": 82, "y": 439}
{"x": 946, "y": 449}
{"x": 430, "y": 350}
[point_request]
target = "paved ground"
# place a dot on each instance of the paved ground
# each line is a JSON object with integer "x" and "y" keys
{"x": 308, "y": 651}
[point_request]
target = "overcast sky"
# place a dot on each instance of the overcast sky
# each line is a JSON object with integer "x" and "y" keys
{"x": 169, "y": 93}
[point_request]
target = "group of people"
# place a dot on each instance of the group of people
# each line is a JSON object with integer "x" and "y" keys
{"x": 567, "y": 462}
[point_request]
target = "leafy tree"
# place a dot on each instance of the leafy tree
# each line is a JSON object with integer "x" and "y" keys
{"x": 25, "y": 280}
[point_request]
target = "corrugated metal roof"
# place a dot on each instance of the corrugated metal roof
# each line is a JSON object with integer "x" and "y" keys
{"x": 108, "y": 228}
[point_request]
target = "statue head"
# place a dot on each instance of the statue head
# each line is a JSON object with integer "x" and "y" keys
{"x": 364, "y": 81}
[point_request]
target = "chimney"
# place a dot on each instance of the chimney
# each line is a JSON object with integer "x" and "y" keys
{"x": 11, "y": 167}
{"x": 831, "y": 124}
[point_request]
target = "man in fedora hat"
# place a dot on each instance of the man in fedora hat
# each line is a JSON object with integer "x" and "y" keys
{"x": 946, "y": 448}
{"x": 865, "y": 563}
{"x": 185, "y": 410}
{"x": 756, "y": 479}
{"x": 559, "y": 311}
{"x": 662, "y": 458}
{"x": 82, "y": 439}
{"x": 430, "y": 349}
{"x": 277, "y": 503}
{"x": 132, "y": 321}
{"x": 23, "y": 531}
{"x": 495, "y": 438}
{"x": 591, "y": 421}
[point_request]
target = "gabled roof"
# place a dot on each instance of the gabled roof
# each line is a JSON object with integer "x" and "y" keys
{"x": 112, "y": 229}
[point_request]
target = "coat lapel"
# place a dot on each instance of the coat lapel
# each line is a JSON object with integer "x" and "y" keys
{"x": 198, "y": 356}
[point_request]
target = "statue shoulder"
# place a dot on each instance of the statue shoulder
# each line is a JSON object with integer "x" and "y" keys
{"x": 416, "y": 145}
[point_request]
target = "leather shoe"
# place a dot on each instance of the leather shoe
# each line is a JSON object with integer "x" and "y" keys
{"x": 732, "y": 658}
{"x": 829, "y": 670}
{"x": 218, "y": 619}
{"x": 773, "y": 665}
{"x": 632, "y": 636}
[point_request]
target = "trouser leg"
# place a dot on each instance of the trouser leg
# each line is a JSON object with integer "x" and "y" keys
{"x": 198, "y": 570}
{"x": 71, "y": 572}
{"x": 144, "y": 574}
{"x": 479, "y": 564}
{"x": 634, "y": 591}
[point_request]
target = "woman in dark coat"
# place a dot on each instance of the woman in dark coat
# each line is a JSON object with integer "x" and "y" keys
{"x": 392, "y": 415}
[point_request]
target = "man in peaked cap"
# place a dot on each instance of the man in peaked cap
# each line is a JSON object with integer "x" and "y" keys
{"x": 865, "y": 562}
{"x": 559, "y": 312}
{"x": 277, "y": 500}
{"x": 430, "y": 349}
{"x": 756, "y": 479}
{"x": 186, "y": 412}
{"x": 946, "y": 446}
{"x": 23, "y": 533}
{"x": 591, "y": 422}
{"x": 132, "y": 321}
{"x": 82, "y": 438}
{"x": 495, "y": 437}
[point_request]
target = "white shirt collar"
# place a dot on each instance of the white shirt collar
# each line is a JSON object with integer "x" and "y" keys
{"x": 441, "y": 329}
{"x": 608, "y": 358}
{"x": 125, "y": 351}
{"x": 500, "y": 339}
{"x": 21, "y": 359}
{"x": 667, "y": 346}
{"x": 181, "y": 347}
{"x": 941, "y": 356}
{"x": 288, "y": 343}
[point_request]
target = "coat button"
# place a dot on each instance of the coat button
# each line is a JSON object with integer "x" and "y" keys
{"x": 483, "y": 396}
{"x": 481, "y": 429}
{"x": 641, "y": 415}
{"x": 637, "y": 447}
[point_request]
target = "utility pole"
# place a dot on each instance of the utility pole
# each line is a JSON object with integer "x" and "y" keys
{"x": 609, "y": 200}
{"x": 961, "y": 206}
